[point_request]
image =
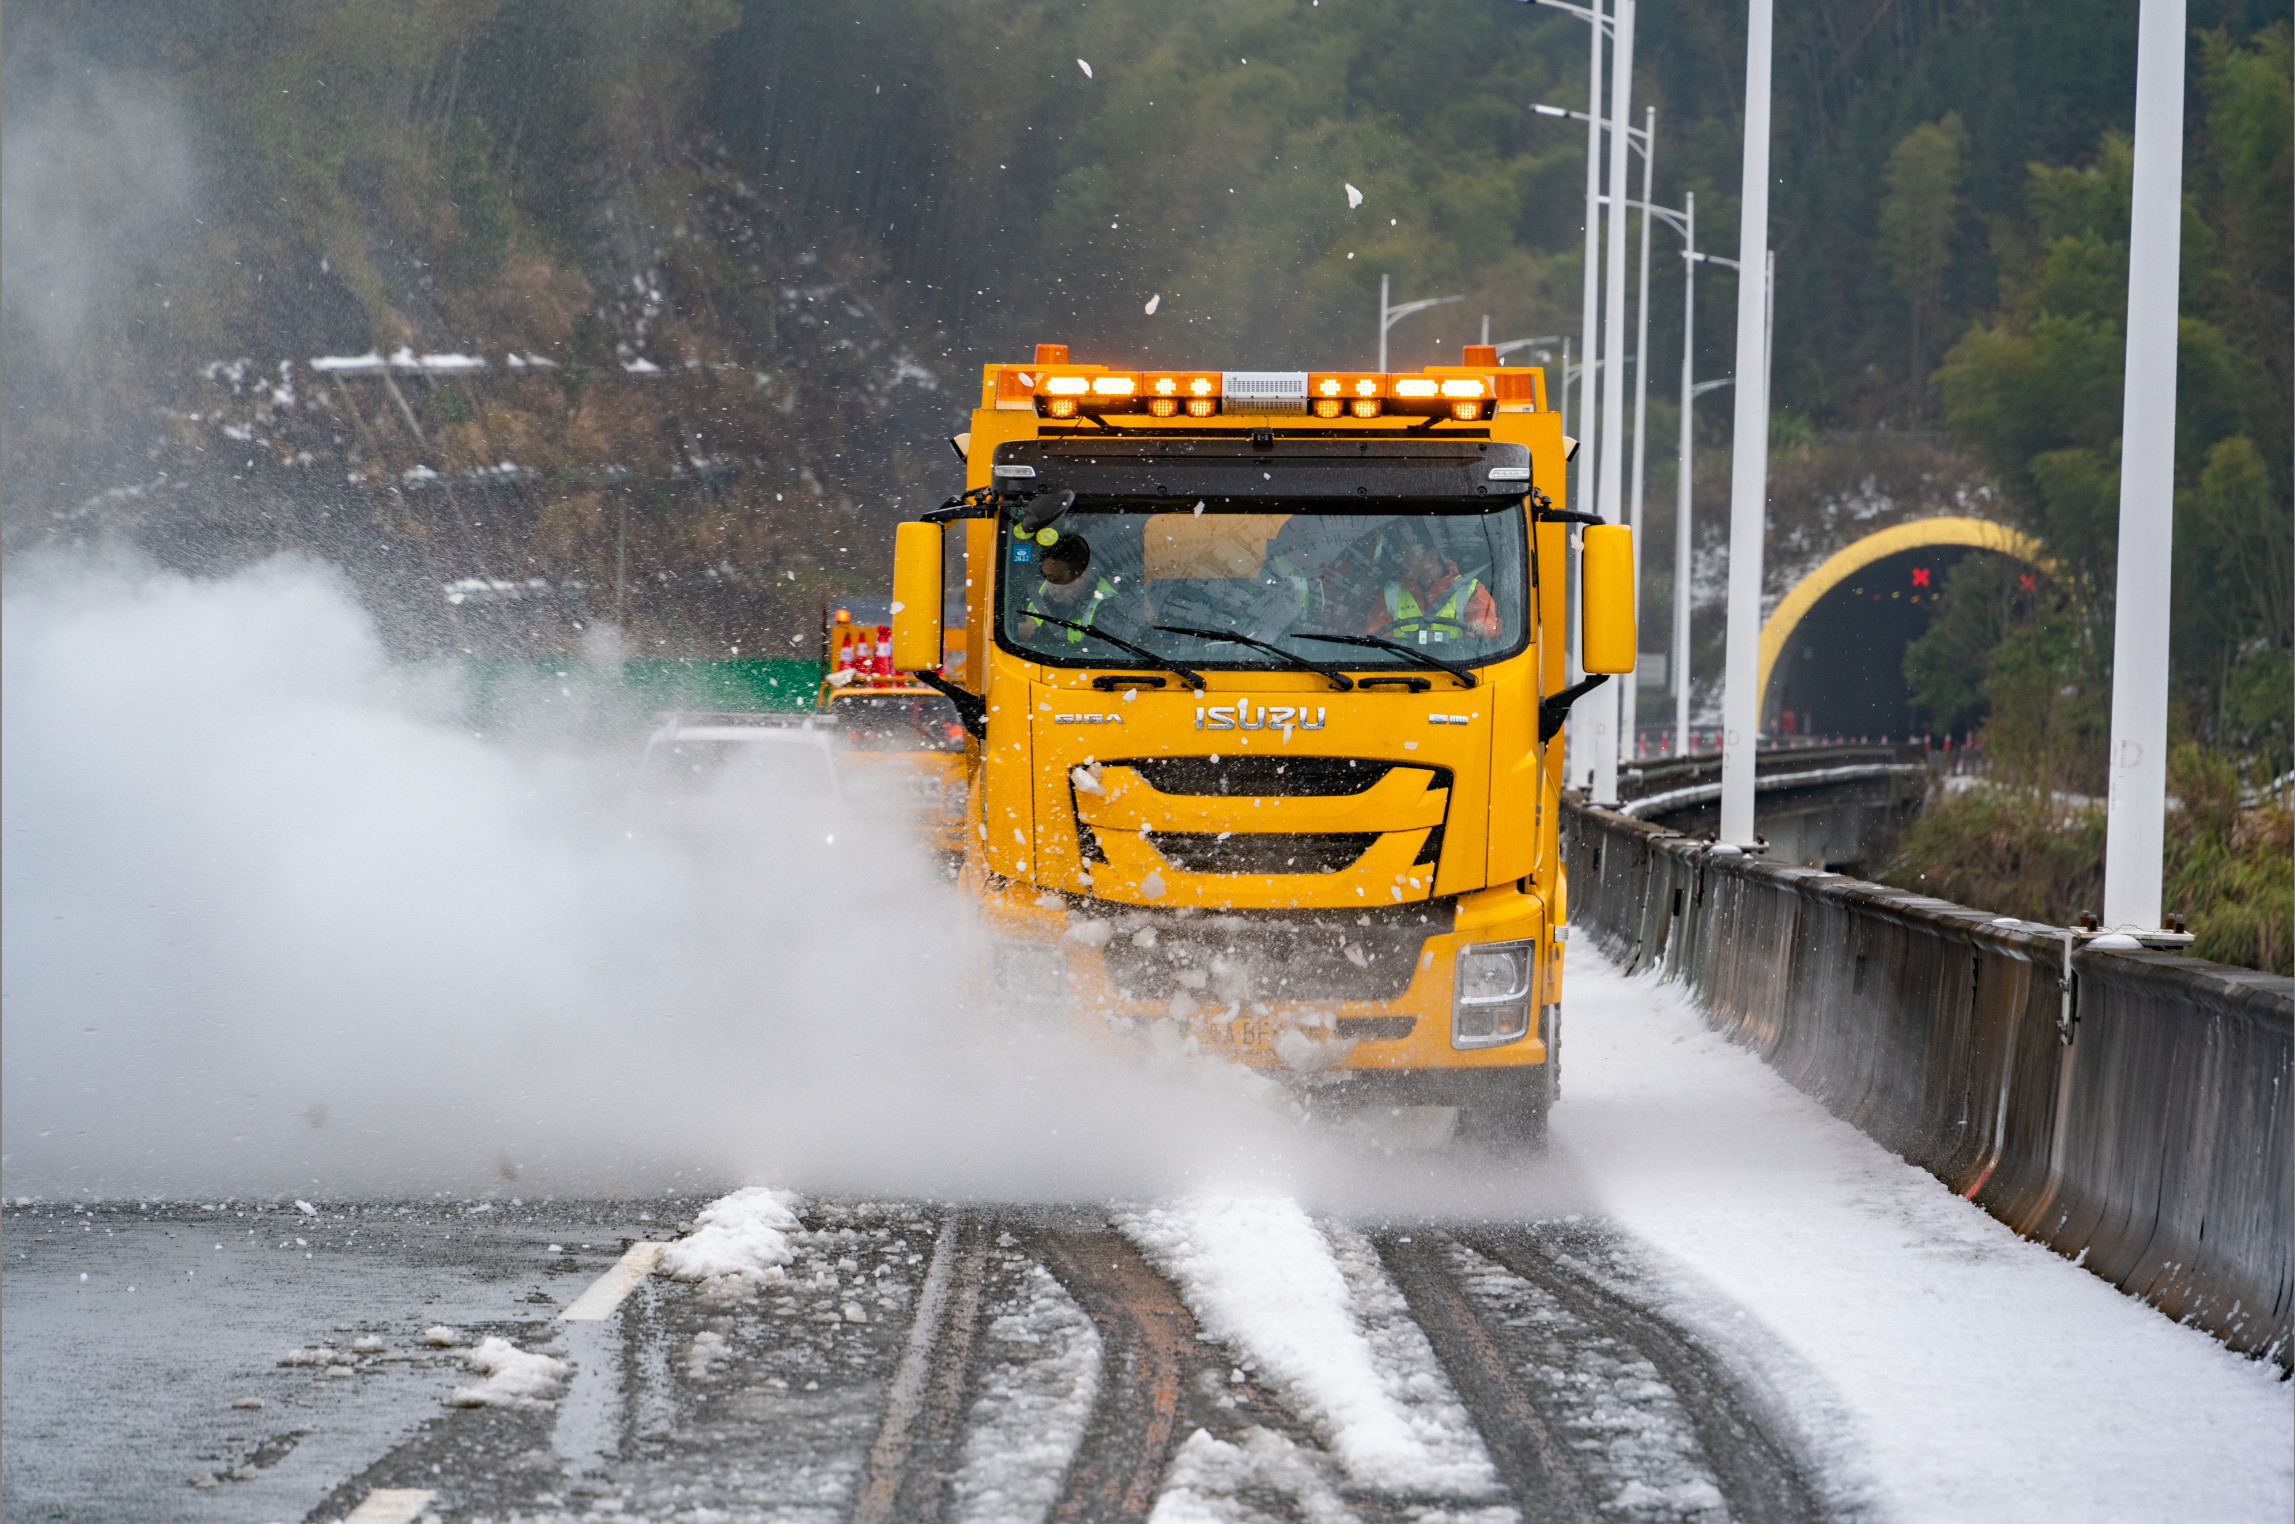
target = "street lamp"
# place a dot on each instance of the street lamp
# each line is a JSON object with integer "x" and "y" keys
{"x": 1389, "y": 315}
{"x": 1535, "y": 346}
{"x": 1610, "y": 451}
{"x": 1589, "y": 338}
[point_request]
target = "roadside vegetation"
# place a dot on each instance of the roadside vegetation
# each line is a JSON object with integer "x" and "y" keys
{"x": 756, "y": 251}
{"x": 2033, "y": 387}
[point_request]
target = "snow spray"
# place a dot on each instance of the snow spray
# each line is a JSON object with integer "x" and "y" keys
{"x": 277, "y": 920}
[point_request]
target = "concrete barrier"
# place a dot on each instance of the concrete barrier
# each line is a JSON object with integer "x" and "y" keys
{"x": 2131, "y": 1110}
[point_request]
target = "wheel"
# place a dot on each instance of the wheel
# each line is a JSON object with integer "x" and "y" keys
{"x": 1506, "y": 1108}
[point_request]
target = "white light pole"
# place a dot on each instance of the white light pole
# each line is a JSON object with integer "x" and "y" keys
{"x": 1749, "y": 451}
{"x": 1682, "y": 481}
{"x": 1590, "y": 352}
{"x": 1391, "y": 315}
{"x": 1681, "y": 578}
{"x": 1565, "y": 387}
{"x": 1685, "y": 473}
{"x": 1629, "y": 685}
{"x": 1609, "y": 484}
{"x": 2135, "y": 822}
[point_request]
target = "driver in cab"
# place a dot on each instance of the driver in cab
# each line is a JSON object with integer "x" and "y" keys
{"x": 1069, "y": 591}
{"x": 1427, "y": 601}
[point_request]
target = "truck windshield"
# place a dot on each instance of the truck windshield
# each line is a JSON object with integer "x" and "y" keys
{"x": 1430, "y": 576}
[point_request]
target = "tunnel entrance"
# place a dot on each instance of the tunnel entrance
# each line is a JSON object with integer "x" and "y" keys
{"x": 1842, "y": 669}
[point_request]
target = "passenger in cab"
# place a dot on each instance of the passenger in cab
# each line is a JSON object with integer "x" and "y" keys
{"x": 1427, "y": 601}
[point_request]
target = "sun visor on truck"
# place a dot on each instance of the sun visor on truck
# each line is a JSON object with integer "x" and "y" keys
{"x": 1237, "y": 469}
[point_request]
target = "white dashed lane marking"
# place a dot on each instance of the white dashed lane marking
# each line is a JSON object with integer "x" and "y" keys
{"x": 607, "y": 1291}
{"x": 391, "y": 1505}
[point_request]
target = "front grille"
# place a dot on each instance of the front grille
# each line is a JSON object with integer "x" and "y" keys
{"x": 1298, "y": 955}
{"x": 1261, "y": 851}
{"x": 1266, "y": 777}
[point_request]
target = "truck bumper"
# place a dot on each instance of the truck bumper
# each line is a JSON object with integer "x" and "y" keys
{"x": 1056, "y": 950}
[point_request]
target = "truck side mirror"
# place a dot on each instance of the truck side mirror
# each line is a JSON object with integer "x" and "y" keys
{"x": 916, "y": 598}
{"x": 1606, "y": 599}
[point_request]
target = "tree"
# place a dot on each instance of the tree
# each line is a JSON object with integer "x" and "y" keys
{"x": 1917, "y": 217}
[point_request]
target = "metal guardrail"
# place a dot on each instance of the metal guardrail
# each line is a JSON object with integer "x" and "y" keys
{"x": 1837, "y": 806}
{"x": 1642, "y": 782}
{"x": 2131, "y": 1110}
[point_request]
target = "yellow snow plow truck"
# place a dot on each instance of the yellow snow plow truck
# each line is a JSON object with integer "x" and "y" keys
{"x": 1264, "y": 707}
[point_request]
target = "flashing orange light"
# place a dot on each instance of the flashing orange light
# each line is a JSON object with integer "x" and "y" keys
{"x": 1329, "y": 407}
{"x": 1124, "y": 386}
{"x": 1416, "y": 386}
{"x": 1367, "y": 386}
{"x": 1463, "y": 386}
{"x": 1166, "y": 386}
{"x": 1366, "y": 407}
{"x": 1061, "y": 407}
{"x": 1067, "y": 386}
{"x": 1163, "y": 407}
{"x": 1329, "y": 387}
{"x": 1202, "y": 407}
{"x": 1201, "y": 386}
{"x": 1466, "y": 412}
{"x": 844, "y": 616}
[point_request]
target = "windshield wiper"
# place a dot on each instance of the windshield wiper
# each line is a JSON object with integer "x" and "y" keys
{"x": 1464, "y": 675}
{"x": 1194, "y": 679}
{"x": 1338, "y": 679}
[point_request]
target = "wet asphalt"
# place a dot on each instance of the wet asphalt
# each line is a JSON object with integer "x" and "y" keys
{"x": 274, "y": 1362}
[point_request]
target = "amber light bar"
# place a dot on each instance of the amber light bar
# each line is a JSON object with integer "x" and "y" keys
{"x": 1055, "y": 389}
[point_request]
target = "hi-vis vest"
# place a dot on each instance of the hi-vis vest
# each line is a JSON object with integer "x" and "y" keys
{"x": 1408, "y": 617}
{"x": 1102, "y": 591}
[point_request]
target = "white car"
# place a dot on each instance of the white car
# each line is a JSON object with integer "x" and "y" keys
{"x": 785, "y": 753}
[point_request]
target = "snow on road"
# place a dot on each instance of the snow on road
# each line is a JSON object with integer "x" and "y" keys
{"x": 1323, "y": 1324}
{"x": 1030, "y": 1407}
{"x": 738, "y": 1244}
{"x": 515, "y": 1378}
{"x": 1941, "y": 1367}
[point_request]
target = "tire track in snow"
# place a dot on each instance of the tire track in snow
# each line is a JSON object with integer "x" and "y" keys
{"x": 1538, "y": 1469}
{"x": 908, "y": 1466}
{"x": 1756, "y": 1469}
{"x": 1148, "y": 1346}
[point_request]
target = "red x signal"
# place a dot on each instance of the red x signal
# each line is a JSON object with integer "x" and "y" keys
{"x": 1920, "y": 576}
{"x": 2031, "y": 583}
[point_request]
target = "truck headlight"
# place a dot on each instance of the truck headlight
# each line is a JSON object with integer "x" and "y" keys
{"x": 1491, "y": 1003}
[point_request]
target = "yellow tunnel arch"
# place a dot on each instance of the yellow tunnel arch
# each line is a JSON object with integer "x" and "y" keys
{"x": 1976, "y": 534}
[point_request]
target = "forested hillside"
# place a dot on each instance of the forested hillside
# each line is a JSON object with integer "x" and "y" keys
{"x": 750, "y": 257}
